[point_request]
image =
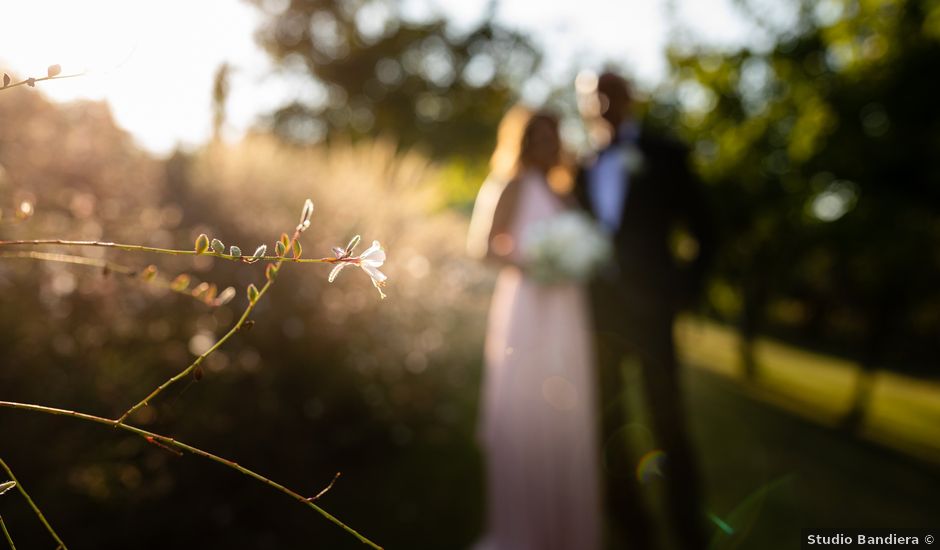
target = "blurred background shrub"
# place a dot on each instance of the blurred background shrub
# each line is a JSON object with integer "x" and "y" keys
{"x": 330, "y": 378}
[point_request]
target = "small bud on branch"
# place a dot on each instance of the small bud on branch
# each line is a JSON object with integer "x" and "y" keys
{"x": 305, "y": 215}
{"x": 225, "y": 296}
{"x": 180, "y": 283}
{"x": 202, "y": 243}
{"x": 149, "y": 273}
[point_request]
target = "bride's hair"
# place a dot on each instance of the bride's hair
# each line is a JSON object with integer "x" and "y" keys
{"x": 513, "y": 137}
{"x": 511, "y": 155}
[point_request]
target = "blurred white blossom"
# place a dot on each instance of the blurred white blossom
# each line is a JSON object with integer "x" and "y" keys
{"x": 568, "y": 246}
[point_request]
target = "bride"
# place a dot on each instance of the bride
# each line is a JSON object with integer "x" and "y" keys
{"x": 538, "y": 425}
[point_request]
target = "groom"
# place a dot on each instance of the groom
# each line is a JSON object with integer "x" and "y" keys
{"x": 640, "y": 189}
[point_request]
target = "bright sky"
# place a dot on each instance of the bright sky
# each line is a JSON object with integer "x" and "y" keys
{"x": 154, "y": 61}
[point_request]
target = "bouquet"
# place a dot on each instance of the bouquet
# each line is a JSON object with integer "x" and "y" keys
{"x": 567, "y": 247}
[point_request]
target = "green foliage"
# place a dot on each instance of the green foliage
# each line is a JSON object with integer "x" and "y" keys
{"x": 820, "y": 155}
{"x": 460, "y": 179}
{"x": 375, "y": 73}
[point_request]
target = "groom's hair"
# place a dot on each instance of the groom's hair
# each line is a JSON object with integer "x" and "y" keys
{"x": 616, "y": 94}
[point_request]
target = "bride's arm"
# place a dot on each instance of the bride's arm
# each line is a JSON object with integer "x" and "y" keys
{"x": 491, "y": 228}
{"x": 503, "y": 243}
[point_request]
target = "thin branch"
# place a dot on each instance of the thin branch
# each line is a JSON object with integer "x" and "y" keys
{"x": 111, "y": 267}
{"x": 31, "y": 82}
{"x": 175, "y": 252}
{"x": 325, "y": 490}
{"x": 192, "y": 450}
{"x": 69, "y": 259}
{"x": 195, "y": 364}
{"x": 32, "y": 505}
{"x": 6, "y": 534}
{"x": 235, "y": 328}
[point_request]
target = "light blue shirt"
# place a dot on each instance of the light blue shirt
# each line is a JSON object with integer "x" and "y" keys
{"x": 609, "y": 180}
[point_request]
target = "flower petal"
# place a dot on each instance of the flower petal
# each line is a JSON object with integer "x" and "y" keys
{"x": 335, "y": 272}
{"x": 352, "y": 244}
{"x": 375, "y": 261}
{"x": 373, "y": 272}
{"x": 374, "y": 255}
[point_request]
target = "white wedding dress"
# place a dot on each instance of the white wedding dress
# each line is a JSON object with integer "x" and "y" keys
{"x": 538, "y": 420}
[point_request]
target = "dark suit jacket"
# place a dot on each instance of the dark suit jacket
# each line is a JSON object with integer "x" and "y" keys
{"x": 663, "y": 194}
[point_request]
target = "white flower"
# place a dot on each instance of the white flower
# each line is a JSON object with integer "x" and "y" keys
{"x": 369, "y": 261}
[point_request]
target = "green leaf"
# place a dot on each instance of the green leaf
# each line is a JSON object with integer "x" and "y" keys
{"x": 217, "y": 246}
{"x": 298, "y": 250}
{"x": 259, "y": 252}
{"x": 280, "y": 248}
{"x": 253, "y": 294}
{"x": 235, "y": 251}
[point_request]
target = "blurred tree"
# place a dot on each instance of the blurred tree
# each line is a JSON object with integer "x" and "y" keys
{"x": 370, "y": 71}
{"x": 821, "y": 151}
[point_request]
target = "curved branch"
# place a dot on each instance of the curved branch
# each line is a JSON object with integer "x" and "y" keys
{"x": 32, "y": 505}
{"x": 31, "y": 82}
{"x": 173, "y": 443}
{"x": 6, "y": 534}
{"x": 195, "y": 364}
{"x": 171, "y": 251}
{"x": 108, "y": 267}
{"x": 252, "y": 301}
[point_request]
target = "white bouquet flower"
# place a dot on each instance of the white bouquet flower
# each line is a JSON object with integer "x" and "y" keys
{"x": 567, "y": 247}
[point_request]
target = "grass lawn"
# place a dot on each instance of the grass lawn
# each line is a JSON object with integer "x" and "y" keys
{"x": 904, "y": 413}
{"x": 770, "y": 472}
